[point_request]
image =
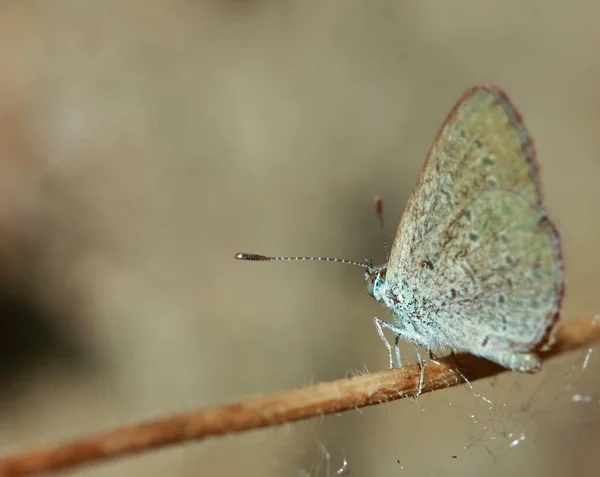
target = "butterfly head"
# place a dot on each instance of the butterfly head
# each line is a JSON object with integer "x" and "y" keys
{"x": 375, "y": 278}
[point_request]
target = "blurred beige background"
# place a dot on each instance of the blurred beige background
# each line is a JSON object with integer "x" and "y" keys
{"x": 143, "y": 143}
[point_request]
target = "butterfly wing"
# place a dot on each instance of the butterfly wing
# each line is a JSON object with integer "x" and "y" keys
{"x": 475, "y": 240}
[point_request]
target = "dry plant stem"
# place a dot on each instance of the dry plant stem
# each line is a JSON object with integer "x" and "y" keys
{"x": 289, "y": 406}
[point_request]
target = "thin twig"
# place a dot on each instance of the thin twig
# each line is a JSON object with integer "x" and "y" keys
{"x": 288, "y": 406}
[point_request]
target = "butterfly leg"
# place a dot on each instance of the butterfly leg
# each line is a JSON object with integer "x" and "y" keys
{"x": 380, "y": 325}
{"x": 397, "y": 348}
{"x": 422, "y": 373}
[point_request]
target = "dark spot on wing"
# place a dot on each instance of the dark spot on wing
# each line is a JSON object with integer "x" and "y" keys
{"x": 427, "y": 263}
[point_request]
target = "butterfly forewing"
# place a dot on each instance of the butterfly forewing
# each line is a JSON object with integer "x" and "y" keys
{"x": 481, "y": 144}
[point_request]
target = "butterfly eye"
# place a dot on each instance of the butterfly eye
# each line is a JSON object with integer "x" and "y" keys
{"x": 370, "y": 284}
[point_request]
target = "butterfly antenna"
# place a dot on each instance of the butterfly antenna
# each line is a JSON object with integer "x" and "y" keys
{"x": 378, "y": 201}
{"x": 254, "y": 257}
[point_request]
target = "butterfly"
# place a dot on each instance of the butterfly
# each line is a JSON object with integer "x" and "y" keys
{"x": 476, "y": 264}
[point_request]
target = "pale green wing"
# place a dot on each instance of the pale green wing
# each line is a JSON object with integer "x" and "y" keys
{"x": 483, "y": 144}
{"x": 478, "y": 188}
{"x": 497, "y": 274}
